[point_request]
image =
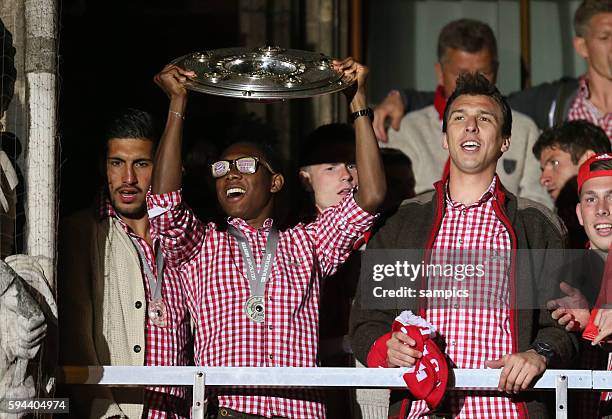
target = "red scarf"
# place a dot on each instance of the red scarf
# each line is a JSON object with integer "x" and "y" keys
{"x": 440, "y": 101}
{"x": 440, "y": 105}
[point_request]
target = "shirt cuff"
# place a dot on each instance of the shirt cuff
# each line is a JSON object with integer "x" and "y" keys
{"x": 158, "y": 204}
{"x": 352, "y": 218}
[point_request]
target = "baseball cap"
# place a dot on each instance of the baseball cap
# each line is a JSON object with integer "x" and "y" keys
{"x": 585, "y": 173}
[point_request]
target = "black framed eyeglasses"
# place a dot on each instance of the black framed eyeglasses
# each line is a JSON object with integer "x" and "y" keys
{"x": 245, "y": 165}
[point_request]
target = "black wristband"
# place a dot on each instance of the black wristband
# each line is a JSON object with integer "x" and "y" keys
{"x": 363, "y": 112}
{"x": 543, "y": 349}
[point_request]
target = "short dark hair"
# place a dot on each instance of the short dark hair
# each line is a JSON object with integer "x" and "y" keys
{"x": 575, "y": 138}
{"x": 249, "y": 129}
{"x": 392, "y": 156}
{"x": 586, "y": 11}
{"x": 331, "y": 143}
{"x": 130, "y": 123}
{"x": 468, "y": 35}
{"x": 475, "y": 84}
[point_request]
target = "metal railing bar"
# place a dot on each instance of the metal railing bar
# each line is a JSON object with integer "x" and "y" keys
{"x": 602, "y": 380}
{"x": 561, "y": 397}
{"x": 306, "y": 377}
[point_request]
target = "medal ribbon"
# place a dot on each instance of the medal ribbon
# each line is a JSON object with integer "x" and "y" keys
{"x": 257, "y": 285}
{"x": 154, "y": 284}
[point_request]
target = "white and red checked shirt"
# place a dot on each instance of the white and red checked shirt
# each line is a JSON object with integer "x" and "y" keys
{"x": 583, "y": 108}
{"x": 483, "y": 331}
{"x": 165, "y": 346}
{"x": 217, "y": 287}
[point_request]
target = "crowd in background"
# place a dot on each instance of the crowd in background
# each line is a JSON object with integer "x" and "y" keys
{"x": 219, "y": 253}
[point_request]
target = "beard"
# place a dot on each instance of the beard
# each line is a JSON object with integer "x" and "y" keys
{"x": 127, "y": 211}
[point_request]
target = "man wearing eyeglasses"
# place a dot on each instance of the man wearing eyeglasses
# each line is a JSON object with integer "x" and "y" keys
{"x": 254, "y": 291}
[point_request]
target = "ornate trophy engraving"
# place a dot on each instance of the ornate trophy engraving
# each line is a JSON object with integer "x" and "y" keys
{"x": 261, "y": 73}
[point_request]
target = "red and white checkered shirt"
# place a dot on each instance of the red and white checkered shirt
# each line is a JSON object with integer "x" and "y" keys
{"x": 481, "y": 332}
{"x": 217, "y": 287}
{"x": 582, "y": 108}
{"x": 165, "y": 346}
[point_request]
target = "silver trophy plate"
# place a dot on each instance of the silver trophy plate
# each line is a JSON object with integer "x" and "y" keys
{"x": 261, "y": 73}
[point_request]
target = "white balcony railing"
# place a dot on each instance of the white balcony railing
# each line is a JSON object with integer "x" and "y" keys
{"x": 200, "y": 377}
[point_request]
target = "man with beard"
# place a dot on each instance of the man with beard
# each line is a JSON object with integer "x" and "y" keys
{"x": 117, "y": 300}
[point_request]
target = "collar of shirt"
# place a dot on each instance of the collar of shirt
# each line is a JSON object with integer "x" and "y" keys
{"x": 584, "y": 95}
{"x": 243, "y": 226}
{"x": 486, "y": 196}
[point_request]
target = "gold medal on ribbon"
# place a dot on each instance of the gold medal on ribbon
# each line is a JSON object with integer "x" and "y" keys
{"x": 254, "y": 308}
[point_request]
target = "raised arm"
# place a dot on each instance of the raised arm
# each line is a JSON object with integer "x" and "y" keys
{"x": 372, "y": 186}
{"x": 167, "y": 176}
{"x": 174, "y": 224}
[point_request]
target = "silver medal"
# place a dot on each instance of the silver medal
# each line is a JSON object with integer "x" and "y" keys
{"x": 158, "y": 313}
{"x": 254, "y": 308}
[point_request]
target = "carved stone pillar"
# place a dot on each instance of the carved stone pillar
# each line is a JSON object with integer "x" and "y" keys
{"x": 40, "y": 157}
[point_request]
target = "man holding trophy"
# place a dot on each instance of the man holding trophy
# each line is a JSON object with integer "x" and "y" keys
{"x": 253, "y": 291}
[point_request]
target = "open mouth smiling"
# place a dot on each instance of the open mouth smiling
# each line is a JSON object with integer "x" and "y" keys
{"x": 235, "y": 193}
{"x": 470, "y": 145}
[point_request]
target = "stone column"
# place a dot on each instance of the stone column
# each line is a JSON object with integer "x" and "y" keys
{"x": 40, "y": 157}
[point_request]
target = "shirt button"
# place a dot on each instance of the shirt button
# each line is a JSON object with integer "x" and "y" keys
{"x": 270, "y": 327}
{"x": 138, "y": 304}
{"x": 137, "y": 348}
{"x": 455, "y": 305}
{"x": 453, "y": 342}
{"x": 271, "y": 356}
{"x": 269, "y": 298}
{"x": 460, "y": 241}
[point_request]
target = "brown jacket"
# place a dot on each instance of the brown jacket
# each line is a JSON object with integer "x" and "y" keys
{"x": 100, "y": 279}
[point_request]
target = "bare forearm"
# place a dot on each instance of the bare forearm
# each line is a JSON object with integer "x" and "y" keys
{"x": 372, "y": 186}
{"x": 167, "y": 175}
